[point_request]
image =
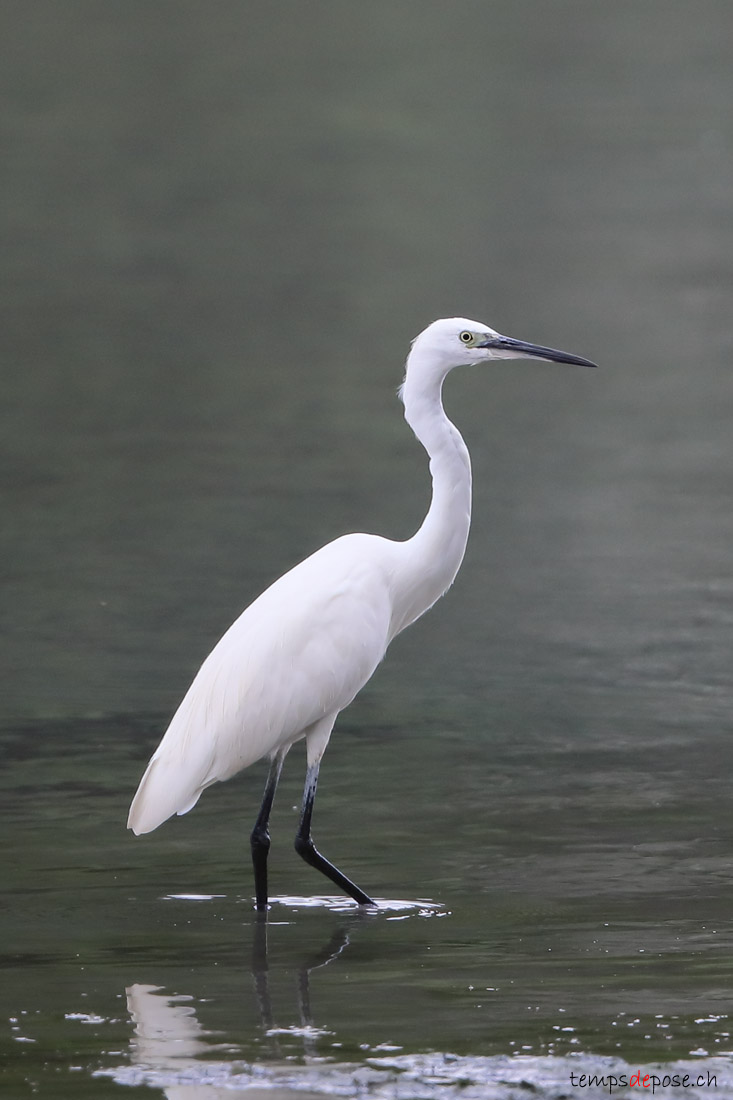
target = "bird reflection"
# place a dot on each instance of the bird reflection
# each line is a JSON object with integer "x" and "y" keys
{"x": 260, "y": 975}
{"x": 169, "y": 1038}
{"x": 167, "y": 1033}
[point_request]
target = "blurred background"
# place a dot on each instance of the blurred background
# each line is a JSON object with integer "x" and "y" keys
{"x": 221, "y": 227}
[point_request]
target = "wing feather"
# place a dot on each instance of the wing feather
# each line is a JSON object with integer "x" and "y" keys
{"x": 301, "y": 651}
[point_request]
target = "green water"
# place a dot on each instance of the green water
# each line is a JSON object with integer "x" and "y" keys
{"x": 221, "y": 228}
{"x": 570, "y": 905}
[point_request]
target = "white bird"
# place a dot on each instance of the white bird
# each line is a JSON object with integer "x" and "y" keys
{"x": 300, "y": 653}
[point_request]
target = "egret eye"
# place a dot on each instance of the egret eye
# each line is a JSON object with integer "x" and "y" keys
{"x": 467, "y": 338}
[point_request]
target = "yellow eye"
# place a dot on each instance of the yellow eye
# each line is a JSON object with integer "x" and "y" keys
{"x": 467, "y": 338}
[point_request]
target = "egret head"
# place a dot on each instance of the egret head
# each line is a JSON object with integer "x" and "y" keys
{"x": 456, "y": 341}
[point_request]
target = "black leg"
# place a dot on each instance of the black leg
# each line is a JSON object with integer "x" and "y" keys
{"x": 260, "y": 837}
{"x": 305, "y": 847}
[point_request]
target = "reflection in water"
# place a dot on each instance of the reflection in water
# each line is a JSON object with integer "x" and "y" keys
{"x": 260, "y": 973}
{"x": 170, "y": 1040}
{"x": 167, "y": 1032}
{"x": 167, "y": 1044}
{"x": 169, "y": 1049}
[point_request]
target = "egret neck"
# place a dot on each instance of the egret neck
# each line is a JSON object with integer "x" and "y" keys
{"x": 429, "y": 561}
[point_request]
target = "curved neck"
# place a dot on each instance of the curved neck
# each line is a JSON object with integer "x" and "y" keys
{"x": 432, "y": 557}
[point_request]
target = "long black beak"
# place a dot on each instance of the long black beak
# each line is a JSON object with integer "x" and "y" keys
{"x": 520, "y": 348}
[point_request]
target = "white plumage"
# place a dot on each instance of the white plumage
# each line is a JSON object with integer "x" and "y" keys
{"x": 300, "y": 653}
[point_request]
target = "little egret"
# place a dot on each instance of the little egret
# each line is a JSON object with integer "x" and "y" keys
{"x": 300, "y": 653}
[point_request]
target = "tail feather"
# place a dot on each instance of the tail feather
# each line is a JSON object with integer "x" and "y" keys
{"x": 158, "y": 798}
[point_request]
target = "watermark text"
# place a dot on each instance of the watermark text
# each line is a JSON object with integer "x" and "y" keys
{"x": 642, "y": 1080}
